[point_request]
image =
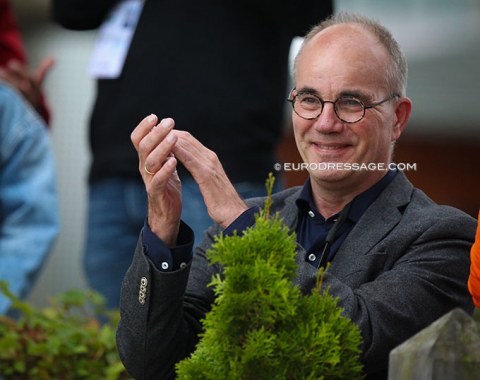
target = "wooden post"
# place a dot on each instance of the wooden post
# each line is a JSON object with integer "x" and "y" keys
{"x": 448, "y": 349}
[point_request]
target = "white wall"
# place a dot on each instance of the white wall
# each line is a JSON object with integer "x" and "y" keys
{"x": 70, "y": 93}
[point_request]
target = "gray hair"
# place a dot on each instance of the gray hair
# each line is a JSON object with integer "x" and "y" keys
{"x": 396, "y": 72}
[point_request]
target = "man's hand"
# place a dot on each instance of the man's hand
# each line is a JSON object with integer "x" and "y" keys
{"x": 16, "y": 74}
{"x": 159, "y": 147}
{"x": 157, "y": 165}
{"x": 222, "y": 200}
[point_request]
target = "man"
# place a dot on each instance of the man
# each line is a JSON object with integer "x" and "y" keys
{"x": 29, "y": 210}
{"x": 397, "y": 260}
{"x": 219, "y": 67}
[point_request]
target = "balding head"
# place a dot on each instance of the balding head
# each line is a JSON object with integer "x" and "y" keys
{"x": 354, "y": 31}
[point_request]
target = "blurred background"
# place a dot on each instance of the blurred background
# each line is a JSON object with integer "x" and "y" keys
{"x": 441, "y": 39}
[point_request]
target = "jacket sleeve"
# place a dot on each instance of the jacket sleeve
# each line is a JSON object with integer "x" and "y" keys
{"x": 80, "y": 14}
{"x": 161, "y": 313}
{"x": 424, "y": 276}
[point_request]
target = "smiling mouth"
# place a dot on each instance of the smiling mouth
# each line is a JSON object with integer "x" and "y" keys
{"x": 331, "y": 147}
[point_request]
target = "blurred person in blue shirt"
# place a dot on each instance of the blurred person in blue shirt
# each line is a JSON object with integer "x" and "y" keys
{"x": 29, "y": 210}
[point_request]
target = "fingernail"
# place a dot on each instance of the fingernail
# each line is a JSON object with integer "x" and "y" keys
{"x": 151, "y": 118}
{"x": 167, "y": 123}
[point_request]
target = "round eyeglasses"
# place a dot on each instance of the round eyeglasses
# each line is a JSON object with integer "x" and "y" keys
{"x": 347, "y": 108}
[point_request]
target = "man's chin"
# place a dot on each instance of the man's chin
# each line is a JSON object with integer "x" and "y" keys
{"x": 328, "y": 175}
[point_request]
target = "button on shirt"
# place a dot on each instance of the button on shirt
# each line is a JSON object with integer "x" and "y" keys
{"x": 165, "y": 258}
{"x": 312, "y": 229}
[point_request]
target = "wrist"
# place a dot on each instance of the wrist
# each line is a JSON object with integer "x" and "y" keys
{"x": 233, "y": 214}
{"x": 165, "y": 231}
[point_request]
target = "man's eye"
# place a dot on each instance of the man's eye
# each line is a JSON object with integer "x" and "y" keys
{"x": 309, "y": 100}
{"x": 349, "y": 103}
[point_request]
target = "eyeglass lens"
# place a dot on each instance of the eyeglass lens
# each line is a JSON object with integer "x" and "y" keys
{"x": 348, "y": 109}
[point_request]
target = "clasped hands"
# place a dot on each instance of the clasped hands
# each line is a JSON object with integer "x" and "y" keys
{"x": 159, "y": 146}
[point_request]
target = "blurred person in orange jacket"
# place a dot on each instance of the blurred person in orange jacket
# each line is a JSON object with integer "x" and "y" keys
{"x": 474, "y": 279}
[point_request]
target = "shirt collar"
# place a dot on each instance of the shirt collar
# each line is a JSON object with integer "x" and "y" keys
{"x": 304, "y": 201}
{"x": 360, "y": 203}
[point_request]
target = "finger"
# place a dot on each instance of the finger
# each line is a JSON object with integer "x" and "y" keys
{"x": 11, "y": 78}
{"x": 161, "y": 177}
{"x": 153, "y": 143}
{"x": 17, "y": 69}
{"x": 197, "y": 158}
{"x": 156, "y": 135}
{"x": 223, "y": 203}
{"x": 17, "y": 75}
{"x": 188, "y": 149}
{"x": 142, "y": 129}
{"x": 153, "y": 137}
{"x": 43, "y": 70}
{"x": 202, "y": 163}
{"x": 160, "y": 154}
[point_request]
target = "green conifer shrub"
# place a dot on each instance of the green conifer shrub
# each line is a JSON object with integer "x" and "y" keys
{"x": 261, "y": 326}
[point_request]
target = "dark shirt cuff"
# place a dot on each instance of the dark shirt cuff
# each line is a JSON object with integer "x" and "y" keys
{"x": 245, "y": 220}
{"x": 168, "y": 259}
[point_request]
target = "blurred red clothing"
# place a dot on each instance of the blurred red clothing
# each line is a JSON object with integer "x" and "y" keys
{"x": 11, "y": 45}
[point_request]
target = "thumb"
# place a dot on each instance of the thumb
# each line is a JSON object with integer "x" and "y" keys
{"x": 43, "y": 70}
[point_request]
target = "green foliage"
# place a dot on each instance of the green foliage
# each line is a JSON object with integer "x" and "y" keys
{"x": 64, "y": 341}
{"x": 261, "y": 326}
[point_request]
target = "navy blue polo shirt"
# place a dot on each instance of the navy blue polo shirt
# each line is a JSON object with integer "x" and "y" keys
{"x": 312, "y": 229}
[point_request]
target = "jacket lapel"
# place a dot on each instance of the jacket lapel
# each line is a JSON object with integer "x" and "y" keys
{"x": 376, "y": 223}
{"x": 359, "y": 251}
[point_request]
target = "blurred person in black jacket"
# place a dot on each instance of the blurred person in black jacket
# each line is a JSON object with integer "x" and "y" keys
{"x": 220, "y": 68}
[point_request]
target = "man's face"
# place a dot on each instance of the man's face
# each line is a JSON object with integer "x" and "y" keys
{"x": 344, "y": 60}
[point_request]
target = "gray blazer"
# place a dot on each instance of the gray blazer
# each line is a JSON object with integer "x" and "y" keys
{"x": 403, "y": 265}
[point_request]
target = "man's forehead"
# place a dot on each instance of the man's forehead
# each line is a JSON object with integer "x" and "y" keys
{"x": 343, "y": 58}
{"x": 343, "y": 34}
{"x": 344, "y": 42}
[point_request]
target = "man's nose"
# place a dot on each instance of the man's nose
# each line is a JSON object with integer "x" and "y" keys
{"x": 328, "y": 121}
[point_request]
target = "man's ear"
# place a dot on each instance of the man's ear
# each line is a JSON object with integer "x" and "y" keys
{"x": 403, "y": 110}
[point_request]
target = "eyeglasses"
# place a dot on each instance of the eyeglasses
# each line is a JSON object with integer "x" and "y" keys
{"x": 347, "y": 108}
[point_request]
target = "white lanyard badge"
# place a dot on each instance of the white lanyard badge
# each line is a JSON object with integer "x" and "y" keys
{"x": 113, "y": 42}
